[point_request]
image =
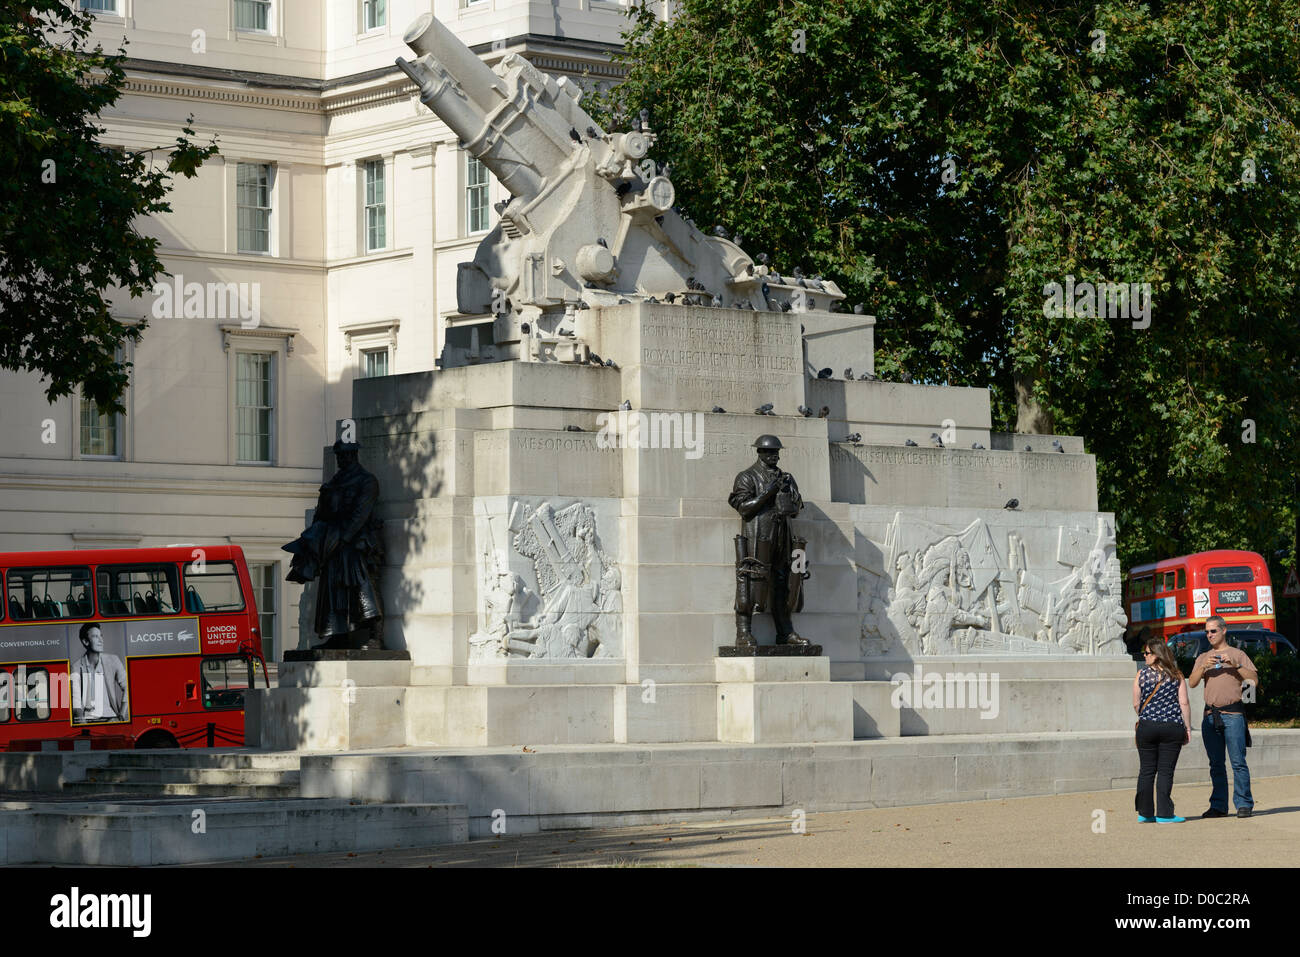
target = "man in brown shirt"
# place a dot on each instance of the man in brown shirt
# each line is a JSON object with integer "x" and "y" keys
{"x": 1224, "y": 669}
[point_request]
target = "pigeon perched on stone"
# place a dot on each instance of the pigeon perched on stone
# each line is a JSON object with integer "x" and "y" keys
{"x": 595, "y": 359}
{"x": 854, "y": 437}
{"x": 718, "y": 410}
{"x": 785, "y": 306}
{"x": 1057, "y": 445}
{"x": 825, "y": 374}
{"x": 825, "y": 412}
{"x": 582, "y": 304}
{"x": 670, "y": 297}
{"x": 1029, "y": 448}
{"x": 600, "y": 241}
{"x": 859, "y": 309}
{"x": 625, "y": 405}
{"x": 574, "y": 134}
{"x": 525, "y": 328}
{"x": 765, "y": 409}
{"x": 867, "y": 376}
{"x": 573, "y": 428}
{"x": 805, "y": 411}
{"x": 611, "y": 364}
{"x": 591, "y": 133}
{"x": 1012, "y": 504}
{"x": 935, "y": 440}
{"x": 910, "y": 443}
{"x": 716, "y": 301}
{"x": 667, "y": 171}
{"x": 720, "y": 232}
{"x": 976, "y": 446}
{"x": 848, "y": 374}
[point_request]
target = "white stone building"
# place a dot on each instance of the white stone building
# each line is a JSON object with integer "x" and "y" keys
{"x": 344, "y": 203}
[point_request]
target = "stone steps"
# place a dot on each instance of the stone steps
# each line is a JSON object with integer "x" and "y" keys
{"x": 184, "y": 788}
{"x": 191, "y": 775}
{"x": 170, "y": 832}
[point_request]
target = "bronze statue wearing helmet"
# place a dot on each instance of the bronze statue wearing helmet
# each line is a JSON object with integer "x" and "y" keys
{"x": 767, "y": 499}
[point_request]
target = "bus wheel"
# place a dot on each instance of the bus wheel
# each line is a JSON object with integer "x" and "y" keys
{"x": 156, "y": 739}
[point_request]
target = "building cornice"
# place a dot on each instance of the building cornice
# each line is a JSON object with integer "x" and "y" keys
{"x": 356, "y": 91}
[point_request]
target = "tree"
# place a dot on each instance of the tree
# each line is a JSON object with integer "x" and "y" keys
{"x": 947, "y": 160}
{"x": 69, "y": 204}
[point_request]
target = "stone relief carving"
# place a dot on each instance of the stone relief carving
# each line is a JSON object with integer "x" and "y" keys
{"x": 940, "y": 591}
{"x": 573, "y": 606}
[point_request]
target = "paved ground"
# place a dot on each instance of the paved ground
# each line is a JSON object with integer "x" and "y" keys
{"x": 1058, "y": 831}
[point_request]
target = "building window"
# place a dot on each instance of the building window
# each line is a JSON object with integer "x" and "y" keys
{"x": 376, "y": 209}
{"x": 374, "y": 362}
{"x": 253, "y": 15}
{"x": 476, "y": 195}
{"x": 101, "y": 432}
{"x": 374, "y": 14}
{"x": 254, "y": 408}
{"x": 264, "y": 582}
{"x": 253, "y": 196}
{"x": 100, "y": 6}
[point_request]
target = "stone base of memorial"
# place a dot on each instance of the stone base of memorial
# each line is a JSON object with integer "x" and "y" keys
{"x": 781, "y": 700}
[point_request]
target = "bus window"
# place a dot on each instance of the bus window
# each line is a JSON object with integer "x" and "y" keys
{"x": 1169, "y": 581}
{"x": 48, "y": 593}
{"x": 1182, "y": 578}
{"x": 138, "y": 590}
{"x": 1231, "y": 575}
{"x": 34, "y": 704}
{"x": 214, "y": 589}
{"x": 224, "y": 681}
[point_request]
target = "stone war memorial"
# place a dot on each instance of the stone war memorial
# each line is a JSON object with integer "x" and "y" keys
{"x": 566, "y": 567}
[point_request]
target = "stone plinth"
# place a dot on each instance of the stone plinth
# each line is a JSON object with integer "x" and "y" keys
{"x": 781, "y": 700}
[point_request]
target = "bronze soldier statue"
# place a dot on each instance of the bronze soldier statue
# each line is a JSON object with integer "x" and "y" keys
{"x": 342, "y": 551}
{"x": 767, "y": 499}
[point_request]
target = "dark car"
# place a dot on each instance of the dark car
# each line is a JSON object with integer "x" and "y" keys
{"x": 1253, "y": 641}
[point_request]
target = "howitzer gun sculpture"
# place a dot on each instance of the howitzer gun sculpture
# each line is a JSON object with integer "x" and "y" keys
{"x": 588, "y": 223}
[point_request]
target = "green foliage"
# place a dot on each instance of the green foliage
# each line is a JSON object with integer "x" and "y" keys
{"x": 68, "y": 204}
{"x": 1127, "y": 164}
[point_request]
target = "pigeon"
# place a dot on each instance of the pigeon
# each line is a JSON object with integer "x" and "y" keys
{"x": 591, "y": 133}
{"x": 720, "y": 232}
{"x": 625, "y": 405}
{"x": 798, "y": 273}
{"x": 749, "y": 269}
{"x": 867, "y": 377}
{"x": 573, "y": 428}
{"x": 737, "y": 239}
{"x": 1012, "y": 504}
{"x": 805, "y": 411}
{"x": 848, "y": 374}
{"x": 935, "y": 440}
{"x": 716, "y": 301}
{"x": 652, "y": 299}
{"x": 859, "y": 309}
{"x": 667, "y": 171}
{"x": 785, "y": 306}
{"x": 1056, "y": 444}
{"x": 718, "y": 410}
{"x": 600, "y": 241}
{"x": 910, "y": 444}
{"x": 623, "y": 302}
{"x": 501, "y": 205}
{"x": 825, "y": 412}
{"x": 582, "y": 304}
{"x": 575, "y": 135}
{"x": 525, "y": 328}
{"x": 659, "y": 219}
{"x": 854, "y": 437}
{"x": 611, "y": 364}
{"x": 644, "y": 117}
{"x": 761, "y": 258}
{"x": 765, "y": 409}
{"x": 825, "y": 374}
{"x": 595, "y": 359}
{"x": 670, "y": 298}
{"x": 976, "y": 446}
{"x": 1029, "y": 448}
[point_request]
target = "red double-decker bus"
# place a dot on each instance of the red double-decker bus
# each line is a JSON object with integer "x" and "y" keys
{"x": 126, "y": 647}
{"x": 1169, "y": 597}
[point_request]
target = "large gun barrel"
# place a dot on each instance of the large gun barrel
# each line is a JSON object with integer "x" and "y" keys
{"x": 428, "y": 37}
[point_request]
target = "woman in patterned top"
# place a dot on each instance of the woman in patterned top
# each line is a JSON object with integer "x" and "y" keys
{"x": 1164, "y": 726}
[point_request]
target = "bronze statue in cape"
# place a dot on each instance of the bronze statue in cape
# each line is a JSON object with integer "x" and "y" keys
{"x": 342, "y": 551}
{"x": 771, "y": 560}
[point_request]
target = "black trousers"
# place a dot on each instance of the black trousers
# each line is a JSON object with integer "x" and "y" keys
{"x": 1158, "y": 744}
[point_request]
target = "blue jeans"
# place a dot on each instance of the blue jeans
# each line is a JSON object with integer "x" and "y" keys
{"x": 1233, "y": 736}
